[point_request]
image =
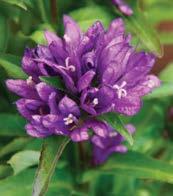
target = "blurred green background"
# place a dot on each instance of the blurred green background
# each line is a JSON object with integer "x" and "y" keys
{"x": 147, "y": 170}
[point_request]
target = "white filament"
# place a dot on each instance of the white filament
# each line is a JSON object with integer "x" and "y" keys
{"x": 30, "y": 81}
{"x": 95, "y": 101}
{"x": 69, "y": 119}
{"x": 121, "y": 92}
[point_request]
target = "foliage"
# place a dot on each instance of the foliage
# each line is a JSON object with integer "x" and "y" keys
{"x": 147, "y": 169}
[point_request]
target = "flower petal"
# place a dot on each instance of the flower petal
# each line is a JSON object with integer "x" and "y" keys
{"x": 52, "y": 37}
{"x": 29, "y": 65}
{"x": 44, "y": 90}
{"x": 146, "y": 86}
{"x": 139, "y": 65}
{"x": 21, "y": 88}
{"x": 99, "y": 128}
{"x": 68, "y": 106}
{"x": 85, "y": 80}
{"x": 128, "y": 105}
{"x": 116, "y": 28}
{"x": 123, "y": 7}
{"x": 28, "y": 107}
{"x": 79, "y": 135}
{"x": 37, "y": 131}
{"x": 72, "y": 32}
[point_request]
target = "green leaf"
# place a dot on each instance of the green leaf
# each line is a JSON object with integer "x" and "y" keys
{"x": 34, "y": 144}
{"x": 137, "y": 165}
{"x": 4, "y": 33}
{"x": 19, "y": 3}
{"x": 43, "y": 10}
{"x": 115, "y": 121}
{"x": 159, "y": 10}
{"x": 12, "y": 125}
{"x": 54, "y": 81}
{"x": 5, "y": 170}
{"x": 86, "y": 16}
{"x": 14, "y": 145}
{"x": 150, "y": 123}
{"x": 140, "y": 26}
{"x": 24, "y": 159}
{"x": 11, "y": 65}
{"x": 166, "y": 74}
{"x": 50, "y": 154}
{"x": 18, "y": 185}
{"x": 21, "y": 184}
{"x": 165, "y": 90}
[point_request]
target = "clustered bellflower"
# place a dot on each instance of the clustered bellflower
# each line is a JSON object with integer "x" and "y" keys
{"x": 101, "y": 72}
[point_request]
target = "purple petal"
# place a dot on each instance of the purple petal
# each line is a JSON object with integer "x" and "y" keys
{"x": 58, "y": 51}
{"x": 79, "y": 135}
{"x": 96, "y": 140}
{"x": 146, "y": 86}
{"x": 99, "y": 128}
{"x": 68, "y": 106}
{"x": 138, "y": 67}
{"x": 29, "y": 65}
{"x": 21, "y": 88}
{"x": 72, "y": 32}
{"x": 44, "y": 52}
{"x": 85, "y": 80}
{"x": 123, "y": 7}
{"x": 52, "y": 121}
{"x": 93, "y": 33}
{"x": 44, "y": 91}
{"x": 53, "y": 103}
{"x": 37, "y": 131}
{"x": 128, "y": 105}
{"x": 52, "y": 37}
{"x": 28, "y": 107}
{"x": 116, "y": 28}
{"x": 115, "y": 69}
{"x": 66, "y": 77}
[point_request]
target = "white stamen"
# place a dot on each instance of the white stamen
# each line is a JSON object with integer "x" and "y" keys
{"x": 30, "y": 81}
{"x": 69, "y": 119}
{"x": 69, "y": 67}
{"x": 67, "y": 38}
{"x": 95, "y": 101}
{"x": 121, "y": 92}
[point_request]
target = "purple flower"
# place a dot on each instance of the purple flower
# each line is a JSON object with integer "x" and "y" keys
{"x": 103, "y": 147}
{"x": 123, "y": 7}
{"x": 101, "y": 73}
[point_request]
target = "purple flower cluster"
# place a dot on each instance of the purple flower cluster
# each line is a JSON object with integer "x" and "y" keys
{"x": 123, "y": 7}
{"x": 101, "y": 72}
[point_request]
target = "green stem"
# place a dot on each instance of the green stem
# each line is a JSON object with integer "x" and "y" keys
{"x": 40, "y": 188}
{"x": 43, "y": 11}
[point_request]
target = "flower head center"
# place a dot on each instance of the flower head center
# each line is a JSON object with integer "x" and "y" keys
{"x": 121, "y": 92}
{"x": 69, "y": 119}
